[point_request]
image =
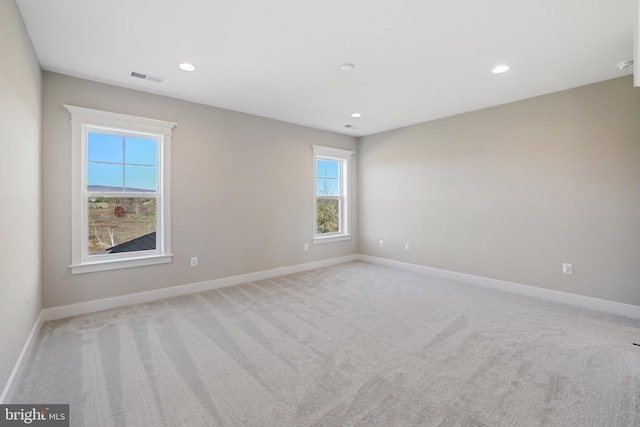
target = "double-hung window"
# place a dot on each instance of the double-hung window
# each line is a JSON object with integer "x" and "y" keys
{"x": 120, "y": 190}
{"x": 331, "y": 198}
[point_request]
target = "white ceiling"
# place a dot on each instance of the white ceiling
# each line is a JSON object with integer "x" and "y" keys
{"x": 415, "y": 60}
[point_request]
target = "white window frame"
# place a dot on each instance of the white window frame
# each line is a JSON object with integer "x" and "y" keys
{"x": 344, "y": 158}
{"x": 83, "y": 121}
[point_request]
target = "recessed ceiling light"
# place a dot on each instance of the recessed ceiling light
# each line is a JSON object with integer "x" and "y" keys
{"x": 356, "y": 115}
{"x": 185, "y": 66}
{"x": 500, "y": 69}
{"x": 625, "y": 64}
{"x": 347, "y": 67}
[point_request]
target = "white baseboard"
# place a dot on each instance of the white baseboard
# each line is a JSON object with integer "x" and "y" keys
{"x": 12, "y": 382}
{"x": 47, "y": 314}
{"x": 611, "y": 307}
{"x": 142, "y": 297}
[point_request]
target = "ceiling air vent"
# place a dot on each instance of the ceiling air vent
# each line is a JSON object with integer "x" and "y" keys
{"x": 154, "y": 79}
{"x": 146, "y": 77}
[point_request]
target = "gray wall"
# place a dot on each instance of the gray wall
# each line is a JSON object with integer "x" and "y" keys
{"x": 509, "y": 192}
{"x": 241, "y": 192}
{"x": 512, "y": 192}
{"x": 20, "y": 80}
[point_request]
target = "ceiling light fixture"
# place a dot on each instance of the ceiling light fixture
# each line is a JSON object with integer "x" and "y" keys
{"x": 347, "y": 67}
{"x": 356, "y": 115}
{"x": 185, "y": 66}
{"x": 500, "y": 69}
{"x": 625, "y": 64}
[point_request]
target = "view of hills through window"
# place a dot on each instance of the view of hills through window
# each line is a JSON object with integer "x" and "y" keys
{"x": 114, "y": 221}
{"x": 126, "y": 165}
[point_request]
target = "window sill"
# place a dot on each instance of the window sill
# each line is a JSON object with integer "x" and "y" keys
{"x": 330, "y": 239}
{"x": 116, "y": 264}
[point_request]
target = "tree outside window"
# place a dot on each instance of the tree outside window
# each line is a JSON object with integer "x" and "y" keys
{"x": 331, "y": 221}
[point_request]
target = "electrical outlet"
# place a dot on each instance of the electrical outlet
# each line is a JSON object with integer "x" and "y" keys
{"x": 407, "y": 247}
{"x": 567, "y": 268}
{"x": 306, "y": 246}
{"x": 381, "y": 243}
{"x": 194, "y": 261}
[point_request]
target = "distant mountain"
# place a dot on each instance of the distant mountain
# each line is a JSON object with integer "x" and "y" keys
{"x": 108, "y": 189}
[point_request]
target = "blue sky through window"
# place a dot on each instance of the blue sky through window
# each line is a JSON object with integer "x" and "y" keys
{"x": 141, "y": 152}
{"x": 105, "y": 175}
{"x": 327, "y": 177}
{"x": 105, "y": 148}
{"x": 121, "y": 163}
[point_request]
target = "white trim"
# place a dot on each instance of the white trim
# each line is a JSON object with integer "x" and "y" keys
{"x": 636, "y": 43}
{"x": 55, "y": 313}
{"x": 332, "y": 153}
{"x": 111, "y": 264}
{"x": 344, "y": 159}
{"x": 125, "y": 121}
{"x": 82, "y": 121}
{"x": 12, "y": 382}
{"x": 612, "y": 307}
{"x": 329, "y": 239}
{"x": 142, "y": 297}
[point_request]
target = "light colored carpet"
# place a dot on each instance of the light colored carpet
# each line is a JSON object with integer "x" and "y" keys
{"x": 351, "y": 345}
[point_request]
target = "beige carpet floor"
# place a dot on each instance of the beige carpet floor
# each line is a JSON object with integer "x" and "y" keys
{"x": 351, "y": 345}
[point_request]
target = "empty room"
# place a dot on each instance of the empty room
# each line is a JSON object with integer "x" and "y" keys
{"x": 338, "y": 213}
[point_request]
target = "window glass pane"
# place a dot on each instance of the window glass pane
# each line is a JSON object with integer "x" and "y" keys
{"x": 327, "y": 178}
{"x": 104, "y": 177}
{"x": 333, "y": 169}
{"x": 140, "y": 178}
{"x": 321, "y": 187}
{"x": 140, "y": 151}
{"x": 105, "y": 148}
{"x": 328, "y": 215}
{"x": 121, "y": 224}
{"x": 321, "y": 168}
{"x": 333, "y": 187}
